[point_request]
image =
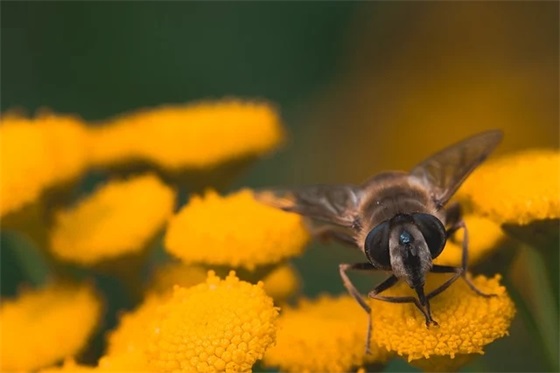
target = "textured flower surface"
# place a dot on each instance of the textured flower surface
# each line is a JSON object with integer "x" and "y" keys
{"x": 517, "y": 188}
{"x": 127, "y": 344}
{"x": 467, "y": 321}
{"x": 37, "y": 153}
{"x": 220, "y": 325}
{"x": 189, "y": 136}
{"x": 116, "y": 219}
{"x": 323, "y": 335}
{"x": 280, "y": 283}
{"x": 234, "y": 230}
{"x": 167, "y": 276}
{"x": 43, "y": 326}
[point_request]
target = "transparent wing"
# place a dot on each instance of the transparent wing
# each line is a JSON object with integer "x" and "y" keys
{"x": 446, "y": 170}
{"x": 334, "y": 204}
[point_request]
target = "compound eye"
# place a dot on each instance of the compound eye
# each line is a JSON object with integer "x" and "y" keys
{"x": 377, "y": 246}
{"x": 433, "y": 231}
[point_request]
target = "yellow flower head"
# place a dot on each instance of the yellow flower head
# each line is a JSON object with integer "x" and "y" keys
{"x": 220, "y": 325}
{"x": 281, "y": 282}
{"x": 517, "y": 189}
{"x": 66, "y": 139}
{"x": 235, "y": 231}
{"x": 69, "y": 365}
{"x": 167, "y": 276}
{"x": 118, "y": 218}
{"x": 35, "y": 326}
{"x": 484, "y": 236}
{"x": 189, "y": 136}
{"x": 467, "y": 321}
{"x": 37, "y": 153}
{"x": 24, "y": 163}
{"x": 324, "y": 335}
{"x": 127, "y": 344}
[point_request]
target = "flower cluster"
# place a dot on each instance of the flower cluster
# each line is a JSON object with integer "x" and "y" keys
{"x": 215, "y": 289}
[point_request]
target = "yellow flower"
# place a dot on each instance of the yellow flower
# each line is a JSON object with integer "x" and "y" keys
{"x": 66, "y": 139}
{"x": 518, "y": 188}
{"x": 235, "y": 231}
{"x": 43, "y": 326}
{"x": 484, "y": 236}
{"x": 281, "y": 282}
{"x": 467, "y": 321}
{"x": 189, "y": 136}
{"x": 118, "y": 218}
{"x": 127, "y": 344}
{"x": 24, "y": 164}
{"x": 323, "y": 335}
{"x": 171, "y": 274}
{"x": 220, "y": 325}
{"x": 69, "y": 365}
{"x": 37, "y": 153}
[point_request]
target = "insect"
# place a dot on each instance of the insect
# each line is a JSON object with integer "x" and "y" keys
{"x": 398, "y": 219}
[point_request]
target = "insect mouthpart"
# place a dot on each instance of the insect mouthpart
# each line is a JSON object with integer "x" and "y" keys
{"x": 409, "y": 254}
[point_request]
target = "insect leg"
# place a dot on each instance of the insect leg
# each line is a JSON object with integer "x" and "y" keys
{"x": 356, "y": 294}
{"x": 459, "y": 271}
{"x": 426, "y": 312}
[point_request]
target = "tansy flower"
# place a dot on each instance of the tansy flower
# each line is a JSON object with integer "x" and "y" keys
{"x": 195, "y": 136}
{"x": 279, "y": 283}
{"x": 484, "y": 236}
{"x": 167, "y": 276}
{"x": 70, "y": 365}
{"x": 235, "y": 231}
{"x": 66, "y": 139}
{"x": 282, "y": 282}
{"x": 36, "y": 330}
{"x": 22, "y": 178}
{"x": 467, "y": 322}
{"x": 127, "y": 344}
{"x": 118, "y": 218}
{"x": 323, "y": 335}
{"x": 516, "y": 189}
{"x": 216, "y": 326}
{"x": 36, "y": 154}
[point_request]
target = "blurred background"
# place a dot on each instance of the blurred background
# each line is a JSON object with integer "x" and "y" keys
{"x": 362, "y": 86}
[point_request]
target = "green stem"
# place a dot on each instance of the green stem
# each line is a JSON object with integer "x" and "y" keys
{"x": 536, "y": 301}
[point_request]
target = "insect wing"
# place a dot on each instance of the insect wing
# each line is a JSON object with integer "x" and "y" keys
{"x": 334, "y": 204}
{"x": 446, "y": 170}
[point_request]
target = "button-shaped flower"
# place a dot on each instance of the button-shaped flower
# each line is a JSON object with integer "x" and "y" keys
{"x": 323, "y": 335}
{"x": 234, "y": 231}
{"x": 467, "y": 322}
{"x": 36, "y": 154}
{"x": 516, "y": 189}
{"x": 35, "y": 329}
{"x": 194, "y": 136}
{"x": 118, "y": 218}
{"x": 216, "y": 326}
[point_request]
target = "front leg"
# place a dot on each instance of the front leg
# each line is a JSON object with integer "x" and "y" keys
{"x": 356, "y": 294}
{"x": 458, "y": 271}
{"x": 389, "y": 282}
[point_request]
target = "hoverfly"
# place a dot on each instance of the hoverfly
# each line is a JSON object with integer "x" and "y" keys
{"x": 398, "y": 220}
